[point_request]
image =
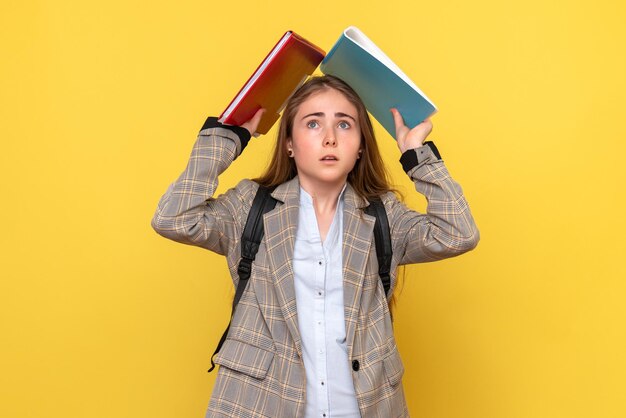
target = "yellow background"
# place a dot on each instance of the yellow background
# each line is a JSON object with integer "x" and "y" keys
{"x": 100, "y": 105}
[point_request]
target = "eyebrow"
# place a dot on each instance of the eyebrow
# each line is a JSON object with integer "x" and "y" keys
{"x": 322, "y": 114}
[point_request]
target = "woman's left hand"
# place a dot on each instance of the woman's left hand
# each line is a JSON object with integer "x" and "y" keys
{"x": 410, "y": 138}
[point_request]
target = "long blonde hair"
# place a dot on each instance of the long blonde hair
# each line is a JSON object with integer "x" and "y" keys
{"x": 369, "y": 177}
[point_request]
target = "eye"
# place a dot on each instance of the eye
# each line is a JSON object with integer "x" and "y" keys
{"x": 312, "y": 124}
{"x": 344, "y": 125}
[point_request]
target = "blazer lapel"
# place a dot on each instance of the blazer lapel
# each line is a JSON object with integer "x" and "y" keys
{"x": 358, "y": 230}
{"x": 280, "y": 231}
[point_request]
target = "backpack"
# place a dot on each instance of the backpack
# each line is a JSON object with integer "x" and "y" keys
{"x": 253, "y": 234}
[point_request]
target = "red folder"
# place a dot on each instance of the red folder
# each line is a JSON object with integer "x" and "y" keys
{"x": 284, "y": 69}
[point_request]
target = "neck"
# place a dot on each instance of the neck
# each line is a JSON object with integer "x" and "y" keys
{"x": 324, "y": 195}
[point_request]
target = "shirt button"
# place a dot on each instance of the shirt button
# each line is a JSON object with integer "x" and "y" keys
{"x": 355, "y": 365}
{"x": 320, "y": 263}
{"x": 319, "y": 293}
{"x": 322, "y": 383}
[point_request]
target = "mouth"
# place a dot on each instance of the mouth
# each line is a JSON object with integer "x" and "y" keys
{"x": 329, "y": 158}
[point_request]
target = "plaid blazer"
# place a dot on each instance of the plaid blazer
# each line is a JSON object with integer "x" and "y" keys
{"x": 261, "y": 370}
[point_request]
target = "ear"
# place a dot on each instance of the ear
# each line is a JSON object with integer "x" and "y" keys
{"x": 289, "y": 143}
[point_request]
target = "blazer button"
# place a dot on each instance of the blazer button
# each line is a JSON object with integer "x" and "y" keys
{"x": 355, "y": 365}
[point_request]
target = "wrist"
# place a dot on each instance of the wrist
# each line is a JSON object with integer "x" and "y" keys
{"x": 409, "y": 146}
{"x": 242, "y": 133}
{"x": 423, "y": 154}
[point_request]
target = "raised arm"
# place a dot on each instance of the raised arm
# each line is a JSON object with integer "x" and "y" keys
{"x": 187, "y": 212}
{"x": 448, "y": 228}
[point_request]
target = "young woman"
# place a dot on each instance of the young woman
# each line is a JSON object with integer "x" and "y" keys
{"x": 312, "y": 334}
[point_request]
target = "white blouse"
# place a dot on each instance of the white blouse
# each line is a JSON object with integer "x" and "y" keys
{"x": 318, "y": 274}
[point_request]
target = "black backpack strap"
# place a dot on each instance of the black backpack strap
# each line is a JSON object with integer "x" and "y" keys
{"x": 382, "y": 239}
{"x": 250, "y": 240}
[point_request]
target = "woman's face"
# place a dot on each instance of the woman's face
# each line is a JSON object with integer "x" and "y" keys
{"x": 326, "y": 139}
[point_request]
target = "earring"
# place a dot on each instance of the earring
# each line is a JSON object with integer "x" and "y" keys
{"x": 290, "y": 153}
{"x": 359, "y": 155}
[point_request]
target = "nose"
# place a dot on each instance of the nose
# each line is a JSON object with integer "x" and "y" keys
{"x": 330, "y": 141}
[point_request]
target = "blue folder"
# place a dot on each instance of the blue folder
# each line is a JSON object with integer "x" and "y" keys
{"x": 380, "y": 86}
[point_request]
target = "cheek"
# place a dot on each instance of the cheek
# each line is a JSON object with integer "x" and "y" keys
{"x": 354, "y": 141}
{"x": 297, "y": 145}
{"x": 303, "y": 139}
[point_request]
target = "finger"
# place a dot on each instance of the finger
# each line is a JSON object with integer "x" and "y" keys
{"x": 397, "y": 118}
{"x": 427, "y": 123}
{"x": 427, "y": 127}
{"x": 257, "y": 116}
{"x": 253, "y": 123}
{"x": 398, "y": 121}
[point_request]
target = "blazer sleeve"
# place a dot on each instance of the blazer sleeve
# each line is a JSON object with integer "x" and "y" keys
{"x": 188, "y": 212}
{"x": 448, "y": 228}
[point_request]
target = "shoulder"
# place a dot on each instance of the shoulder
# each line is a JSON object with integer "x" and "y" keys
{"x": 397, "y": 211}
{"x": 390, "y": 200}
{"x": 243, "y": 194}
{"x": 247, "y": 186}
{"x": 389, "y": 197}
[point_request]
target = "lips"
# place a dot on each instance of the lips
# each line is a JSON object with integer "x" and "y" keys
{"x": 329, "y": 158}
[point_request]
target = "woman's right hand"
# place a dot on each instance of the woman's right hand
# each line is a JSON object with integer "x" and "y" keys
{"x": 253, "y": 123}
